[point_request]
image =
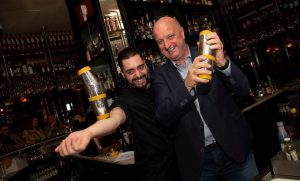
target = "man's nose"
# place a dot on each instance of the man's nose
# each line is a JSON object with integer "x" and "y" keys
{"x": 137, "y": 72}
{"x": 167, "y": 44}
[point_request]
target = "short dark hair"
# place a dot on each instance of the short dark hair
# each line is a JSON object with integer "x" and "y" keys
{"x": 126, "y": 53}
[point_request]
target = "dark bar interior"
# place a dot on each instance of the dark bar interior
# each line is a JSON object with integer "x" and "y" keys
{"x": 43, "y": 98}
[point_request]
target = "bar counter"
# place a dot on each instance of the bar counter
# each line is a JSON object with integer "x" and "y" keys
{"x": 107, "y": 166}
{"x": 36, "y": 161}
{"x": 125, "y": 158}
{"x": 259, "y": 100}
{"x": 33, "y": 146}
{"x": 258, "y": 105}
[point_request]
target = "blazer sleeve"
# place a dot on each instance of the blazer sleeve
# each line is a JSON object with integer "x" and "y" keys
{"x": 172, "y": 99}
{"x": 237, "y": 82}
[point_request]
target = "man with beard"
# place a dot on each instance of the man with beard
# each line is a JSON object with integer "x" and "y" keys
{"x": 153, "y": 145}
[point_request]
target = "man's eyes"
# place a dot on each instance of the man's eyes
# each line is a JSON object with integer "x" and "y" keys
{"x": 129, "y": 72}
{"x": 141, "y": 67}
{"x": 170, "y": 37}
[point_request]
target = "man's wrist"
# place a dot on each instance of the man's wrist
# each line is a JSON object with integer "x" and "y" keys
{"x": 224, "y": 66}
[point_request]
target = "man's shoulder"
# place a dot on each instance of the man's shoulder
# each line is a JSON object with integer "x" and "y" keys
{"x": 164, "y": 67}
{"x": 126, "y": 95}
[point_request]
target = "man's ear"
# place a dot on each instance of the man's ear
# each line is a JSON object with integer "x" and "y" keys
{"x": 182, "y": 32}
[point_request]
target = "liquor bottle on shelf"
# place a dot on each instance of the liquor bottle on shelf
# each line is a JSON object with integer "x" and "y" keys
{"x": 195, "y": 25}
{"x": 206, "y": 24}
{"x": 282, "y": 134}
{"x": 149, "y": 26}
{"x": 134, "y": 26}
{"x": 141, "y": 28}
{"x": 295, "y": 122}
{"x": 119, "y": 23}
{"x": 107, "y": 24}
{"x": 112, "y": 24}
{"x": 116, "y": 49}
{"x": 189, "y": 25}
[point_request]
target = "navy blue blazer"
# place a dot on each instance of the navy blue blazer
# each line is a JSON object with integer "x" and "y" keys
{"x": 175, "y": 106}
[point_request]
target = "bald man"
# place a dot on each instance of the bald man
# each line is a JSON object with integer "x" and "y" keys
{"x": 213, "y": 139}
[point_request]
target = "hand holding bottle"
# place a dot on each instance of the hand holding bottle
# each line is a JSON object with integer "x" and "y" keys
{"x": 198, "y": 67}
{"x": 212, "y": 45}
{"x": 206, "y": 51}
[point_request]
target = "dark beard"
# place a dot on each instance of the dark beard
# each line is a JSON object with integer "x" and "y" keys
{"x": 141, "y": 77}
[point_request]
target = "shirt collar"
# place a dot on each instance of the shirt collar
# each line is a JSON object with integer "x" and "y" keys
{"x": 187, "y": 59}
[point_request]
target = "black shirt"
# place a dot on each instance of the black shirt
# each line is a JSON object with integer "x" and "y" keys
{"x": 153, "y": 143}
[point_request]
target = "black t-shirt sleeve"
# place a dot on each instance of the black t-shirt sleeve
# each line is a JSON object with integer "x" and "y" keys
{"x": 123, "y": 104}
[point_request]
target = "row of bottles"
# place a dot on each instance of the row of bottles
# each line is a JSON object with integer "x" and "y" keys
{"x": 19, "y": 87}
{"x": 160, "y": 1}
{"x": 30, "y": 67}
{"x": 22, "y": 44}
{"x": 195, "y": 2}
{"x": 265, "y": 87}
{"x": 267, "y": 19}
{"x": 198, "y": 2}
{"x": 235, "y": 5}
{"x": 290, "y": 13}
{"x": 94, "y": 47}
{"x": 143, "y": 27}
{"x": 196, "y": 24}
{"x": 288, "y": 4}
{"x": 265, "y": 16}
{"x": 290, "y": 117}
{"x": 284, "y": 111}
{"x": 113, "y": 23}
{"x": 107, "y": 81}
{"x": 153, "y": 59}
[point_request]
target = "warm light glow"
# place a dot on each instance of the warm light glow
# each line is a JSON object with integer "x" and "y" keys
{"x": 23, "y": 99}
{"x": 289, "y": 45}
{"x": 268, "y": 50}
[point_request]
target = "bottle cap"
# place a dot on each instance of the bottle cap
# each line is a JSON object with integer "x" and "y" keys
{"x": 293, "y": 110}
{"x": 204, "y": 32}
{"x": 83, "y": 70}
{"x": 280, "y": 123}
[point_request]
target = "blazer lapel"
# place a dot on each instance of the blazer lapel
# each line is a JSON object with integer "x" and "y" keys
{"x": 174, "y": 76}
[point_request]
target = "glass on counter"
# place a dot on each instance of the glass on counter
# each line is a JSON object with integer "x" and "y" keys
{"x": 290, "y": 150}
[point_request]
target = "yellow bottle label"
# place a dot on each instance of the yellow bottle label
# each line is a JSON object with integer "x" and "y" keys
{"x": 97, "y": 97}
{"x": 83, "y": 70}
{"x": 205, "y": 76}
{"x": 104, "y": 116}
{"x": 204, "y": 32}
{"x": 210, "y": 57}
